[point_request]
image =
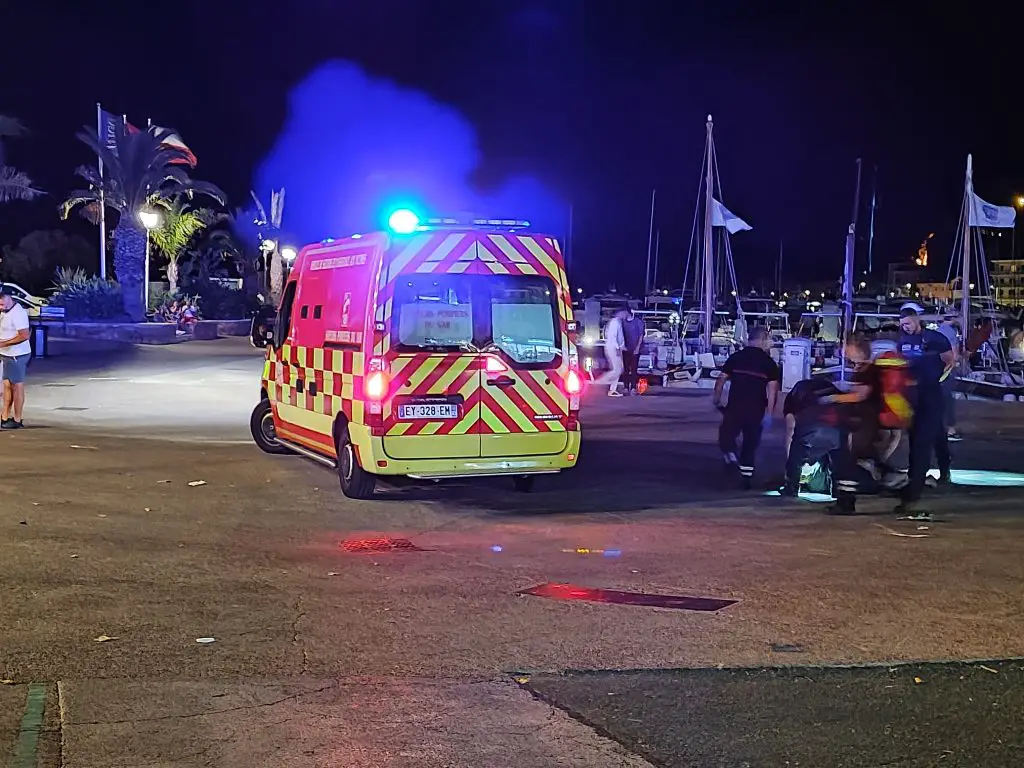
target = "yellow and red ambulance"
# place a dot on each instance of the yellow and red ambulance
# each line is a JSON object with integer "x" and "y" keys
{"x": 435, "y": 350}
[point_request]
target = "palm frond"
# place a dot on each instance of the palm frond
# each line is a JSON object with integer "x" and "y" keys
{"x": 77, "y": 198}
{"x": 15, "y": 185}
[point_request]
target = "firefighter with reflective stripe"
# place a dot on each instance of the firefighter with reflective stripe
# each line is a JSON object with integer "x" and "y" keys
{"x": 753, "y": 389}
{"x": 871, "y": 413}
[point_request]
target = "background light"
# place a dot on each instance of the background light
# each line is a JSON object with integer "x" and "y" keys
{"x": 149, "y": 219}
{"x": 403, "y": 221}
{"x": 288, "y": 253}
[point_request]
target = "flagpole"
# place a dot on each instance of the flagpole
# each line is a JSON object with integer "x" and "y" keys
{"x": 709, "y": 269}
{"x": 145, "y": 270}
{"x": 965, "y": 278}
{"x": 650, "y": 246}
{"x": 103, "y": 207}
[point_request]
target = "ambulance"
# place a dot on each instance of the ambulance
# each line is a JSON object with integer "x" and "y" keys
{"x": 432, "y": 350}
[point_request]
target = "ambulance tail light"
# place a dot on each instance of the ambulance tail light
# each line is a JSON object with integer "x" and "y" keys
{"x": 574, "y": 389}
{"x": 495, "y": 365}
{"x": 375, "y": 390}
{"x": 573, "y": 383}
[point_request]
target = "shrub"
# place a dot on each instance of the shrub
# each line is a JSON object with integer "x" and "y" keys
{"x": 86, "y": 298}
{"x": 218, "y": 302}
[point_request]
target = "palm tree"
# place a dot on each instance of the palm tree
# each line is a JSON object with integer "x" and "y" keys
{"x": 270, "y": 231}
{"x": 14, "y": 185}
{"x": 139, "y": 170}
{"x": 180, "y": 224}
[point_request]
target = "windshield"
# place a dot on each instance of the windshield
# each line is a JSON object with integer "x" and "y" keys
{"x": 516, "y": 314}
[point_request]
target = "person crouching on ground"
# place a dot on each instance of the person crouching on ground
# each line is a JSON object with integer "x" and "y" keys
{"x": 614, "y": 343}
{"x": 753, "y": 389}
{"x": 15, "y": 351}
{"x": 811, "y": 437}
{"x": 861, "y": 445}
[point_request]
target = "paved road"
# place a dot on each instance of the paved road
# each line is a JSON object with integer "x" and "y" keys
{"x": 325, "y": 653}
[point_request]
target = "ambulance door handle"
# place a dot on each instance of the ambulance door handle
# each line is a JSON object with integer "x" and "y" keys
{"x": 299, "y": 385}
{"x": 312, "y": 387}
{"x": 501, "y": 381}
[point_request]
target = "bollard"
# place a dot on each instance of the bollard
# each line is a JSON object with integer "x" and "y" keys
{"x": 39, "y": 340}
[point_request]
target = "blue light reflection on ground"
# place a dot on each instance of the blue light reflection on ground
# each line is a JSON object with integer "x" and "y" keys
{"x": 972, "y": 478}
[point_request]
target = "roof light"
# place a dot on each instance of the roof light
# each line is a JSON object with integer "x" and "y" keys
{"x": 403, "y": 221}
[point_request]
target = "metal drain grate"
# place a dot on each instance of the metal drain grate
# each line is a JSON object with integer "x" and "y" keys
{"x": 70, "y": 408}
{"x": 642, "y": 599}
{"x": 382, "y": 544}
{"x": 58, "y": 384}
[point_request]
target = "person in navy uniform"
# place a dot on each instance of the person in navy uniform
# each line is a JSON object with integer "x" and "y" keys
{"x": 753, "y": 389}
{"x": 929, "y": 354}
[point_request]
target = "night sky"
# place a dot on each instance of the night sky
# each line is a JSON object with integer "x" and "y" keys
{"x": 538, "y": 104}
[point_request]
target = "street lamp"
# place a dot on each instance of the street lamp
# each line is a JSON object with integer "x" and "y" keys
{"x": 288, "y": 253}
{"x": 149, "y": 219}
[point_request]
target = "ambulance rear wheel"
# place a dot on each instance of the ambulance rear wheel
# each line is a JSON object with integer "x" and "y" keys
{"x": 523, "y": 483}
{"x": 356, "y": 482}
{"x": 261, "y": 424}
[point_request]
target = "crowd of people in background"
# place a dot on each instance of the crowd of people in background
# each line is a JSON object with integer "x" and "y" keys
{"x": 184, "y": 313}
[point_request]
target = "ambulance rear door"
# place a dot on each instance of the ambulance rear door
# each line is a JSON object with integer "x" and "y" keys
{"x": 433, "y": 407}
{"x": 524, "y": 402}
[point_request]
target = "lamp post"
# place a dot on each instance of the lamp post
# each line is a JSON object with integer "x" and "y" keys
{"x": 150, "y": 219}
{"x": 267, "y": 248}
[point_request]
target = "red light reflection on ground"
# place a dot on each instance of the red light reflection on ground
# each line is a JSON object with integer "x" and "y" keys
{"x": 380, "y": 544}
{"x": 680, "y": 602}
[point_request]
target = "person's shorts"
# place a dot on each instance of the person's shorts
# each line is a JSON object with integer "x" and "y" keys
{"x": 15, "y": 368}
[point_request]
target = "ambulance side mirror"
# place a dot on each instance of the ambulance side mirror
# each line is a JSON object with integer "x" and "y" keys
{"x": 261, "y": 334}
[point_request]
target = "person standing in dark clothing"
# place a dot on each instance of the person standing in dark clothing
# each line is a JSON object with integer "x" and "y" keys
{"x": 633, "y": 333}
{"x": 753, "y": 389}
{"x": 928, "y": 354}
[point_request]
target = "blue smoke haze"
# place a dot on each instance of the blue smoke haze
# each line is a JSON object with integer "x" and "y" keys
{"x": 355, "y": 147}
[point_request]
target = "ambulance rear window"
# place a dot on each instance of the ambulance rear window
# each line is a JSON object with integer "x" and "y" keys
{"x": 523, "y": 317}
{"x": 518, "y": 314}
{"x": 433, "y": 314}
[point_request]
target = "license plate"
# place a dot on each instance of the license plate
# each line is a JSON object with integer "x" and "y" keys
{"x": 433, "y": 411}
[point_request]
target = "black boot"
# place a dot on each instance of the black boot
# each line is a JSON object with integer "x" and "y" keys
{"x": 846, "y": 504}
{"x": 790, "y": 491}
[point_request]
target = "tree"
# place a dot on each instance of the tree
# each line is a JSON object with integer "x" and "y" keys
{"x": 180, "y": 225}
{"x": 139, "y": 170}
{"x": 270, "y": 232}
{"x": 14, "y": 185}
{"x": 34, "y": 260}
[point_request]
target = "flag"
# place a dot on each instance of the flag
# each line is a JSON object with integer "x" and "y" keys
{"x": 173, "y": 141}
{"x": 723, "y": 217}
{"x": 990, "y": 216}
{"x": 110, "y": 125}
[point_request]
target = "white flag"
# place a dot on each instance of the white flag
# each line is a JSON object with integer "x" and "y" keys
{"x": 723, "y": 217}
{"x": 990, "y": 216}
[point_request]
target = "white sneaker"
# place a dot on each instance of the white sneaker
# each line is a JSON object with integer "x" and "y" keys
{"x": 614, "y": 393}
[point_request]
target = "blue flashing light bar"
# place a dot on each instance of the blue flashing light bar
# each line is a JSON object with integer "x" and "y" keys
{"x": 449, "y": 221}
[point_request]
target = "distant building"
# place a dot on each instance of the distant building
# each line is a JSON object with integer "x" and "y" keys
{"x": 1008, "y": 281}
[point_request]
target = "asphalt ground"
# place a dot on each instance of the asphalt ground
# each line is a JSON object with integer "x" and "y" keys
{"x": 149, "y": 519}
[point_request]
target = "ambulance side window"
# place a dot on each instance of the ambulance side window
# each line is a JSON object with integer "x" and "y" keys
{"x": 283, "y": 326}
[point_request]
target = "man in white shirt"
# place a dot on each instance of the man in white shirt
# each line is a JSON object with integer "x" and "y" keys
{"x": 15, "y": 352}
{"x": 614, "y": 343}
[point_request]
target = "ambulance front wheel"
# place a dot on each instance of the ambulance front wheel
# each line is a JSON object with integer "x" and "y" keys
{"x": 261, "y": 424}
{"x": 356, "y": 482}
{"x": 523, "y": 483}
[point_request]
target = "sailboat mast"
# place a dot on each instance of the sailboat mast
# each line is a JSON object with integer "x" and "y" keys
{"x": 657, "y": 253}
{"x": 709, "y": 267}
{"x": 650, "y": 248}
{"x": 871, "y": 223}
{"x": 965, "y": 277}
{"x": 851, "y": 247}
